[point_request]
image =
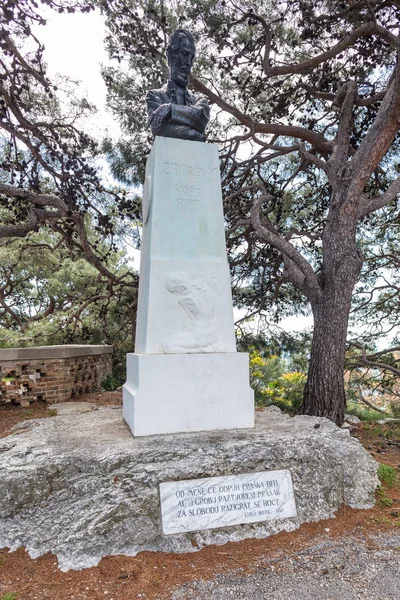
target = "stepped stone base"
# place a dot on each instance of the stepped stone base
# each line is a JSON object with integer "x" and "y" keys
{"x": 82, "y": 487}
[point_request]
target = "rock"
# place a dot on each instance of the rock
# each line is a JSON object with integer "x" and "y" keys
{"x": 82, "y": 487}
{"x": 352, "y": 419}
{"x": 72, "y": 408}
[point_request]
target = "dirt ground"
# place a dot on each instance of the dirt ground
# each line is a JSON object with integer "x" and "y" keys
{"x": 153, "y": 576}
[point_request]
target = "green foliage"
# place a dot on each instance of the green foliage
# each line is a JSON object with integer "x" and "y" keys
{"x": 273, "y": 385}
{"x": 395, "y": 408}
{"x": 388, "y": 478}
{"x": 10, "y": 596}
{"x": 376, "y": 302}
{"x": 363, "y": 413}
{"x": 287, "y": 391}
{"x": 277, "y": 367}
{"x": 112, "y": 382}
{"x": 293, "y": 348}
{"x": 262, "y": 372}
{"x": 52, "y": 295}
{"x": 63, "y": 277}
{"x": 387, "y": 475}
{"x": 384, "y": 500}
{"x": 372, "y": 375}
{"x": 388, "y": 502}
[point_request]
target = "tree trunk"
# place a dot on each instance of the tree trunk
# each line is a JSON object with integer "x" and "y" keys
{"x": 324, "y": 393}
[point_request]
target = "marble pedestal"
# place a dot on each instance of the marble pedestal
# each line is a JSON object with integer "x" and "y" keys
{"x": 186, "y": 374}
{"x": 167, "y": 393}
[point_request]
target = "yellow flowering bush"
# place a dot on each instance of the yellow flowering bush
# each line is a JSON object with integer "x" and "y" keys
{"x": 272, "y": 385}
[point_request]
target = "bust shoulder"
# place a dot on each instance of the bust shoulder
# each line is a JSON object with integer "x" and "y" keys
{"x": 156, "y": 93}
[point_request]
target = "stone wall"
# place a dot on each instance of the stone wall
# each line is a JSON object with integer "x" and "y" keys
{"x": 52, "y": 373}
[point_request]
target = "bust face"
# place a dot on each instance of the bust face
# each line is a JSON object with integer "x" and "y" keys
{"x": 181, "y": 63}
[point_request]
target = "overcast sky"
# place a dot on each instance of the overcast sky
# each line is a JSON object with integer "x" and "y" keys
{"x": 74, "y": 46}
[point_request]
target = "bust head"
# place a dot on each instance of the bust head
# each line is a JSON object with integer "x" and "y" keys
{"x": 180, "y": 53}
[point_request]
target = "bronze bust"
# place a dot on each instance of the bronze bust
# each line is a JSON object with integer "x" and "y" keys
{"x": 172, "y": 110}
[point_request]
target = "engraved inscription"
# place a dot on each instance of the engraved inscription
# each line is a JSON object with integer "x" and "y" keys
{"x": 188, "y": 198}
{"x": 198, "y": 300}
{"x": 176, "y": 171}
{"x": 231, "y": 500}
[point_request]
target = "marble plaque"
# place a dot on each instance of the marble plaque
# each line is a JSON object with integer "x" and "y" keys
{"x": 214, "y": 502}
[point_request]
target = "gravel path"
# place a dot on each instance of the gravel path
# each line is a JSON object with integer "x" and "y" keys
{"x": 333, "y": 569}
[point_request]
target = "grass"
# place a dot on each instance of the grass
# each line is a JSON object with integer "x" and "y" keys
{"x": 11, "y": 596}
{"x": 376, "y": 430}
{"x": 52, "y": 412}
{"x": 384, "y": 521}
{"x": 383, "y": 500}
{"x": 389, "y": 432}
{"x": 386, "y": 502}
{"x": 387, "y": 475}
{"x": 365, "y": 414}
{"x": 388, "y": 478}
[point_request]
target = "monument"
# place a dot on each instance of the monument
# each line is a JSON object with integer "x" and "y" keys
{"x": 185, "y": 374}
{"x": 81, "y": 486}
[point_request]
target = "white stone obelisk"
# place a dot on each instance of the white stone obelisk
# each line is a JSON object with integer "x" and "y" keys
{"x": 185, "y": 374}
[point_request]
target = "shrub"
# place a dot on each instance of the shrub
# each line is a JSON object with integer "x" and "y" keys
{"x": 111, "y": 383}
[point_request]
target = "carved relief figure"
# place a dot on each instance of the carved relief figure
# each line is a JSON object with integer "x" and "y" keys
{"x": 172, "y": 110}
{"x": 198, "y": 300}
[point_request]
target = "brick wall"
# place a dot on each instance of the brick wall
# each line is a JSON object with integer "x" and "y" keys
{"x": 52, "y": 373}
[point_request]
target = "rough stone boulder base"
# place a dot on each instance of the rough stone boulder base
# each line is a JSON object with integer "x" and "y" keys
{"x": 82, "y": 487}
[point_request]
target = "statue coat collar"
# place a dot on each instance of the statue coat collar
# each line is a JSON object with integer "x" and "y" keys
{"x": 172, "y": 89}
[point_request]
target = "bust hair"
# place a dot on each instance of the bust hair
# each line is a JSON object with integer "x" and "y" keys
{"x": 175, "y": 40}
